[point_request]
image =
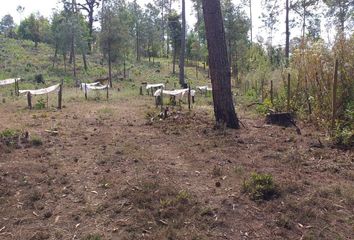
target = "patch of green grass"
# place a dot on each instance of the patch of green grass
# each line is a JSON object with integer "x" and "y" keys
{"x": 261, "y": 187}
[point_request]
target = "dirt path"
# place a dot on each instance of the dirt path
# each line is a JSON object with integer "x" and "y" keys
{"x": 111, "y": 172}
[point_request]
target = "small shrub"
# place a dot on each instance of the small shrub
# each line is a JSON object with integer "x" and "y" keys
{"x": 264, "y": 107}
{"x": 40, "y": 104}
{"x": 9, "y": 133}
{"x": 39, "y": 78}
{"x": 261, "y": 187}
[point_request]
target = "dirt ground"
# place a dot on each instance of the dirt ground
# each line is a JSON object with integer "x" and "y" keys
{"x": 109, "y": 170}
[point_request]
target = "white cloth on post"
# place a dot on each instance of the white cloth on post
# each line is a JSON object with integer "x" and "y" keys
{"x": 41, "y": 91}
{"x": 9, "y": 81}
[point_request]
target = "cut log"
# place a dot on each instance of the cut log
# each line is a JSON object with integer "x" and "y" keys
{"x": 282, "y": 119}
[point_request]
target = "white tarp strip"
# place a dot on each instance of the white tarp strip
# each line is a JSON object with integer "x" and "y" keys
{"x": 41, "y": 91}
{"x": 93, "y": 86}
{"x": 148, "y": 86}
{"x": 89, "y": 84}
{"x": 96, "y": 87}
{"x": 179, "y": 93}
{"x": 8, "y": 81}
{"x": 204, "y": 88}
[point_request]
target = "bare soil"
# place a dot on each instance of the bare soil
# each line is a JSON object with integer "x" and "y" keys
{"x": 107, "y": 170}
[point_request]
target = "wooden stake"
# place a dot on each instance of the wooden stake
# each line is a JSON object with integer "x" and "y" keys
{"x": 47, "y": 100}
{"x": 161, "y": 98}
{"x": 334, "y": 95}
{"x": 189, "y": 96}
{"x": 141, "y": 90}
{"x": 60, "y": 95}
{"x": 107, "y": 92}
{"x": 29, "y": 100}
{"x": 288, "y": 101}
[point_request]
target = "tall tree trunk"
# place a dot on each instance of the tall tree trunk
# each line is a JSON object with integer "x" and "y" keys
{"x": 287, "y": 41}
{"x": 109, "y": 65}
{"x": 84, "y": 60}
{"x": 64, "y": 60}
{"x": 137, "y": 43}
{"x": 183, "y": 46}
{"x": 55, "y": 54}
{"x": 163, "y": 28}
{"x": 219, "y": 65}
{"x": 174, "y": 58}
{"x": 251, "y": 28}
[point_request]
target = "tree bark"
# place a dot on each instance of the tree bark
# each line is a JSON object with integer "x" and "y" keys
{"x": 183, "y": 46}
{"x": 219, "y": 65}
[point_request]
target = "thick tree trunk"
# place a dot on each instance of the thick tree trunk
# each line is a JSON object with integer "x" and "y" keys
{"x": 219, "y": 65}
{"x": 183, "y": 46}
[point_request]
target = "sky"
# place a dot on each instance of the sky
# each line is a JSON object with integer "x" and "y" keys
{"x": 45, "y": 8}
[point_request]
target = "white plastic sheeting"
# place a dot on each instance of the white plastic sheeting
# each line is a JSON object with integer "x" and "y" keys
{"x": 178, "y": 93}
{"x": 41, "y": 91}
{"x": 93, "y": 86}
{"x": 8, "y": 81}
{"x": 158, "y": 85}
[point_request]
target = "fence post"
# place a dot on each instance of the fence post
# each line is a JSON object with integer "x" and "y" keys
{"x": 60, "y": 95}
{"x": 85, "y": 91}
{"x": 29, "y": 100}
{"x": 189, "y": 96}
{"x": 161, "y": 98}
{"x": 107, "y": 92}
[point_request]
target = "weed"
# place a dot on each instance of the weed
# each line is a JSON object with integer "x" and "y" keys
{"x": 92, "y": 237}
{"x": 239, "y": 170}
{"x": 261, "y": 187}
{"x": 36, "y": 141}
{"x": 217, "y": 171}
{"x": 183, "y": 197}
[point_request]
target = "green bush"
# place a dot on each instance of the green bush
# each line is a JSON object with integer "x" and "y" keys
{"x": 261, "y": 187}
